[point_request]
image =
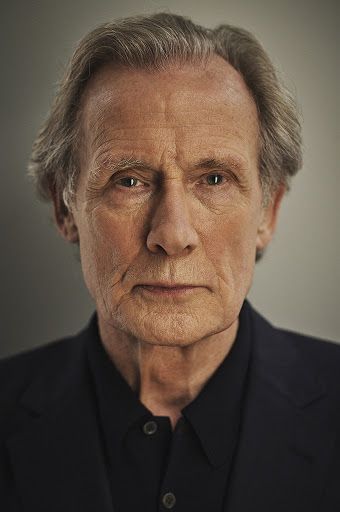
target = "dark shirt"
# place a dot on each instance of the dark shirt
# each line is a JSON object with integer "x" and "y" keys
{"x": 152, "y": 468}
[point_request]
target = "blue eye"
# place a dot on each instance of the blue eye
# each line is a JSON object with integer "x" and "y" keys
{"x": 214, "y": 179}
{"x": 128, "y": 182}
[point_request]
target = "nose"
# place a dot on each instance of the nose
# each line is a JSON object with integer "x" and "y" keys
{"x": 172, "y": 230}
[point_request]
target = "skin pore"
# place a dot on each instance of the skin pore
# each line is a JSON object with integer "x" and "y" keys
{"x": 169, "y": 193}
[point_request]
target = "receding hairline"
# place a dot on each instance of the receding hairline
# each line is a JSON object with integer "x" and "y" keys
{"x": 111, "y": 69}
{"x": 102, "y": 80}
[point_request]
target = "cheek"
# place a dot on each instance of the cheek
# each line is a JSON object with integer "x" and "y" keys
{"x": 108, "y": 235}
{"x": 232, "y": 249}
{"x": 106, "y": 248}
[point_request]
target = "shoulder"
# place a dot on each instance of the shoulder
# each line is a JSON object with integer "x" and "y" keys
{"x": 316, "y": 347}
{"x": 321, "y": 354}
{"x": 289, "y": 348}
{"x": 18, "y": 371}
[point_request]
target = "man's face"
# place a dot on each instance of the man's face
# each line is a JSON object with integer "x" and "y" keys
{"x": 169, "y": 193}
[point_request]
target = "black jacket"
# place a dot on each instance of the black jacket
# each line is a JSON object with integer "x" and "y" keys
{"x": 288, "y": 458}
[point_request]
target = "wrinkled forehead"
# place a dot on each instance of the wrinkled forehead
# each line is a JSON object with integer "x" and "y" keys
{"x": 191, "y": 96}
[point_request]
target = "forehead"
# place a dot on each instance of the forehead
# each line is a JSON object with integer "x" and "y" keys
{"x": 194, "y": 103}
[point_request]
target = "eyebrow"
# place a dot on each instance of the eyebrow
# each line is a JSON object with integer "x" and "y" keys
{"x": 231, "y": 162}
{"x": 115, "y": 165}
{"x": 124, "y": 163}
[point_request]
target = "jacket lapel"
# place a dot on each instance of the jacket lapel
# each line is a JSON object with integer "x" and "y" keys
{"x": 57, "y": 457}
{"x": 286, "y": 439}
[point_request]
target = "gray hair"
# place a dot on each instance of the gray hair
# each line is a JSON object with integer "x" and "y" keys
{"x": 153, "y": 42}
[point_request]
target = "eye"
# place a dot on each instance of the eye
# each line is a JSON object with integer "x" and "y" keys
{"x": 128, "y": 182}
{"x": 214, "y": 179}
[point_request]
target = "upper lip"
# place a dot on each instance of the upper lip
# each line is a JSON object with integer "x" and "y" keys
{"x": 169, "y": 285}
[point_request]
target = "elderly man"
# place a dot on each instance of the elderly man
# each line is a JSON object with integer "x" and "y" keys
{"x": 167, "y": 154}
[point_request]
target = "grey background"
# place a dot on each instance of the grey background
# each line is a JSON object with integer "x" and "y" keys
{"x": 296, "y": 285}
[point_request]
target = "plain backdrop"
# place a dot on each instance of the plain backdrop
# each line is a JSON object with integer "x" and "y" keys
{"x": 296, "y": 285}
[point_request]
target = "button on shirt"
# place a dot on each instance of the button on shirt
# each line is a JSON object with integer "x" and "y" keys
{"x": 152, "y": 468}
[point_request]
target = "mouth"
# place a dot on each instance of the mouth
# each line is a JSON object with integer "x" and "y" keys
{"x": 170, "y": 290}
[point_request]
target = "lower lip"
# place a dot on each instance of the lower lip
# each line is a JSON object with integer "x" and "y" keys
{"x": 162, "y": 290}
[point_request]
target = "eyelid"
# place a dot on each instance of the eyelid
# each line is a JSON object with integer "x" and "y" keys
{"x": 218, "y": 171}
{"x": 126, "y": 173}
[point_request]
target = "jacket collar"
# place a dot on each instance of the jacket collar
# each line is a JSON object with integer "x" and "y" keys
{"x": 286, "y": 440}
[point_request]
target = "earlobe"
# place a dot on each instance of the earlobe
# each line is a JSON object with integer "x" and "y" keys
{"x": 68, "y": 229}
{"x": 64, "y": 220}
{"x": 269, "y": 219}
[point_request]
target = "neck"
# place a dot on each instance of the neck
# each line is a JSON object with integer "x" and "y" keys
{"x": 166, "y": 378}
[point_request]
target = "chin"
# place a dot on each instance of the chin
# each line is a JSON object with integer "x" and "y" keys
{"x": 170, "y": 329}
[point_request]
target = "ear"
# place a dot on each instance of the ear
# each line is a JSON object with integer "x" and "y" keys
{"x": 269, "y": 218}
{"x": 64, "y": 219}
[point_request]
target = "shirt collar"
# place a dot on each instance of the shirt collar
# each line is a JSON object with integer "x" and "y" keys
{"x": 118, "y": 406}
{"x": 214, "y": 414}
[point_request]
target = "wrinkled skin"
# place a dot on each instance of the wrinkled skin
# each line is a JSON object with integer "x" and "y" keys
{"x": 190, "y": 210}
